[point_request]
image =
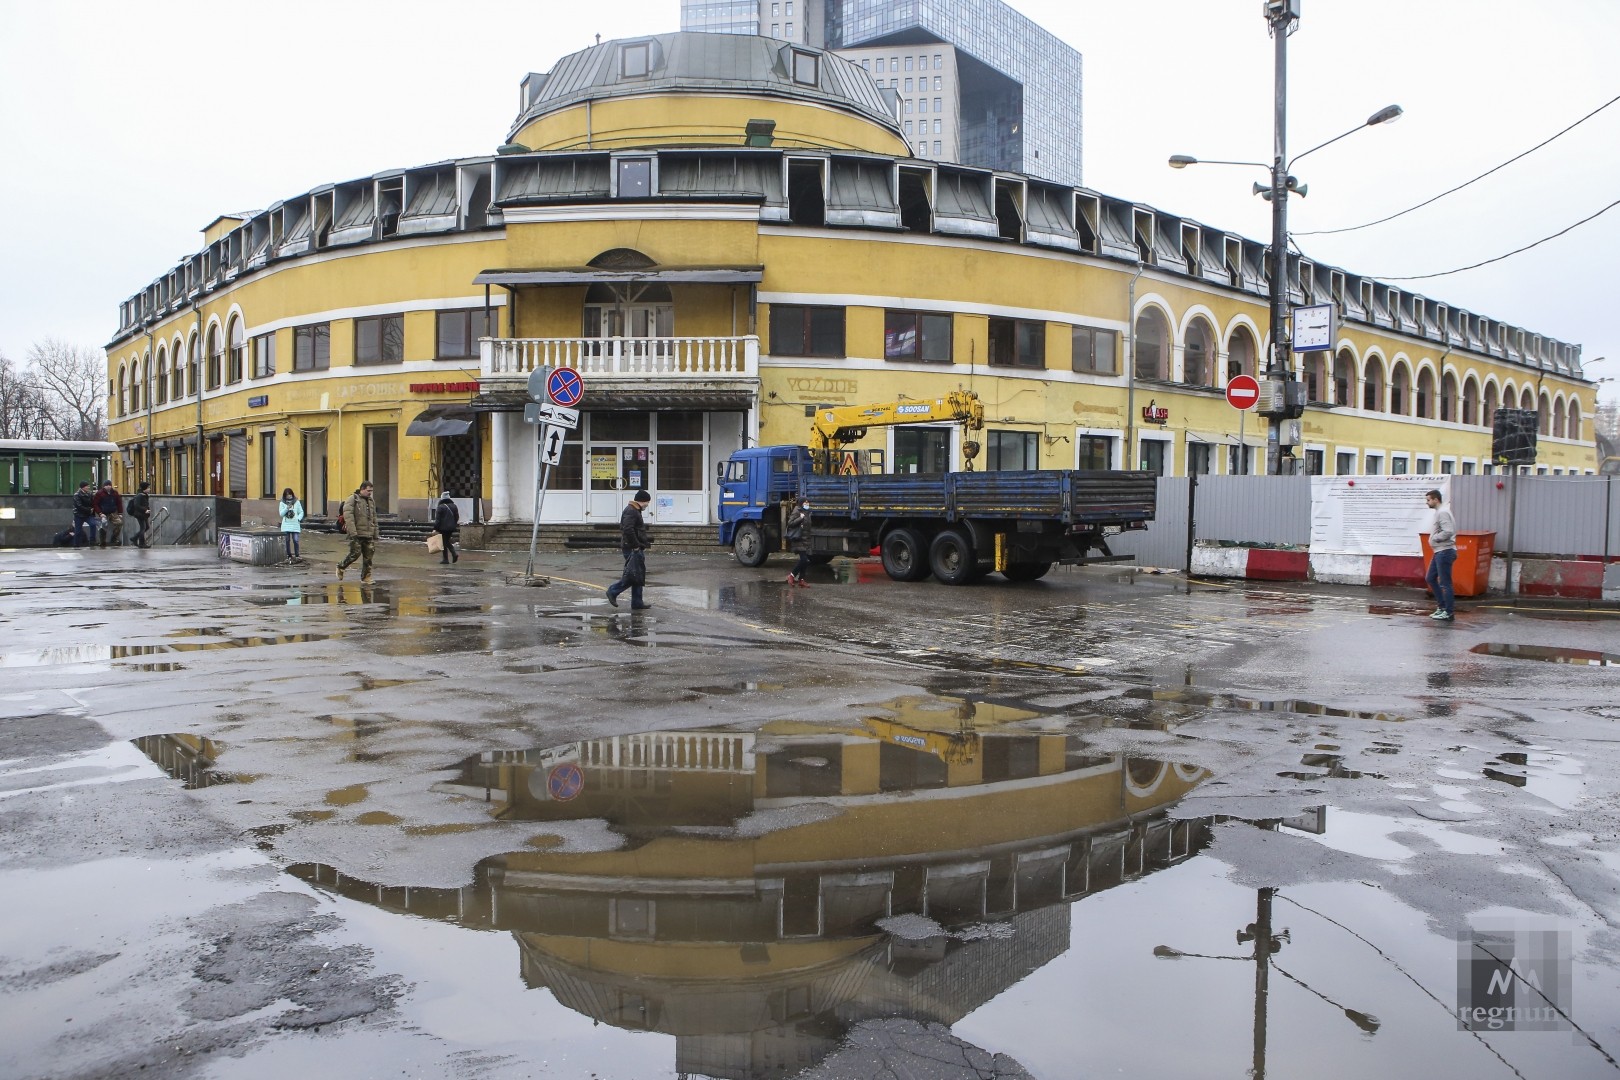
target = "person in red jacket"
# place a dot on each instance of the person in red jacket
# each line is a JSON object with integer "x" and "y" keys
{"x": 110, "y": 506}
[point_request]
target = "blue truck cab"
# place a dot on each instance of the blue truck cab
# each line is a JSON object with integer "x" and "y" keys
{"x": 754, "y": 484}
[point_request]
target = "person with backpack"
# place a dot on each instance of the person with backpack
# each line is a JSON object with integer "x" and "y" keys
{"x": 84, "y": 515}
{"x": 140, "y": 508}
{"x": 292, "y": 522}
{"x": 358, "y": 518}
{"x": 446, "y": 520}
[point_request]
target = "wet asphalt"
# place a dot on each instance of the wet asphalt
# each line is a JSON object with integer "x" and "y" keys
{"x": 255, "y": 821}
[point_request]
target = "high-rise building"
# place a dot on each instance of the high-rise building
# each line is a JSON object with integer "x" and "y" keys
{"x": 1000, "y": 92}
{"x": 798, "y": 21}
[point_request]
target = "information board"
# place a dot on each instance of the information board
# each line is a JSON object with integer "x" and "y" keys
{"x": 1372, "y": 515}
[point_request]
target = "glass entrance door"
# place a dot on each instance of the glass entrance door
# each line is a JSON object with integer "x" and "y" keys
{"x": 618, "y": 470}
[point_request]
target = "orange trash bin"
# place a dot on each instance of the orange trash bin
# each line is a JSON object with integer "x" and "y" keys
{"x": 1471, "y": 573}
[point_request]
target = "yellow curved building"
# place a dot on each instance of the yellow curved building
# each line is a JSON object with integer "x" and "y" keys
{"x": 720, "y": 233}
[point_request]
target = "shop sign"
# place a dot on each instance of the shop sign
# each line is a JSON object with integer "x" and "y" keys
{"x": 1154, "y": 413}
{"x": 444, "y": 388}
{"x": 258, "y": 401}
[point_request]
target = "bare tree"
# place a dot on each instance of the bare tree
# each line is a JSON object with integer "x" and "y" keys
{"x": 71, "y": 383}
{"x": 22, "y": 411}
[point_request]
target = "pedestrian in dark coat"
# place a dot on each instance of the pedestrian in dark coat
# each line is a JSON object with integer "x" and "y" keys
{"x": 84, "y": 515}
{"x": 634, "y": 540}
{"x": 446, "y": 520}
{"x": 798, "y": 535}
{"x": 140, "y": 508}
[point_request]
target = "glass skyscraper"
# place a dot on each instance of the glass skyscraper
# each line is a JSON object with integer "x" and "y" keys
{"x": 1017, "y": 91}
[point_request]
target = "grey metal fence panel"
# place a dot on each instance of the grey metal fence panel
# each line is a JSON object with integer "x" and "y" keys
{"x": 1255, "y": 509}
{"x": 1164, "y": 543}
{"x": 1556, "y": 515}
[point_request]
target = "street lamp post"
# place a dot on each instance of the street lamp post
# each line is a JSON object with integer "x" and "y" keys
{"x": 1282, "y": 400}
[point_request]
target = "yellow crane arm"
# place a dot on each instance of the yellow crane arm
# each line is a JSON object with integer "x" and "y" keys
{"x": 836, "y": 426}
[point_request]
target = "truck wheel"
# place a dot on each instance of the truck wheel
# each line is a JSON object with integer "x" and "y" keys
{"x": 951, "y": 556}
{"x": 749, "y": 545}
{"x": 1026, "y": 571}
{"x": 903, "y": 556}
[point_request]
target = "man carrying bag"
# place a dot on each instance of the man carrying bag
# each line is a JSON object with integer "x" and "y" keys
{"x": 634, "y": 540}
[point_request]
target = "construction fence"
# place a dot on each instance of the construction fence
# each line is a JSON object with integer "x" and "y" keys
{"x": 1556, "y": 517}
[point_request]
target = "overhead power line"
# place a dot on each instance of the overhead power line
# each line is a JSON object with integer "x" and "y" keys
{"x": 1459, "y": 187}
{"x": 1498, "y": 258}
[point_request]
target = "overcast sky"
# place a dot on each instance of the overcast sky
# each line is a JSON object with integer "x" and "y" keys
{"x": 128, "y": 127}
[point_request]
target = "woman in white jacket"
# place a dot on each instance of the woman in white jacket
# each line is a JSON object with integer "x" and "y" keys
{"x": 292, "y": 522}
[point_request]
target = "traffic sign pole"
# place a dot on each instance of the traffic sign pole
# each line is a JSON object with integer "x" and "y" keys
{"x": 1243, "y": 394}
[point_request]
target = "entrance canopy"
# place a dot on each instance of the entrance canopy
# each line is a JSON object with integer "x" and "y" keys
{"x": 439, "y": 421}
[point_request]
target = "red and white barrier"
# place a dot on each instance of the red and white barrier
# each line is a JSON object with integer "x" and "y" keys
{"x": 1569, "y": 579}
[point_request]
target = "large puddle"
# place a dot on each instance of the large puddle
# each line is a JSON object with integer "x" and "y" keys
{"x": 1549, "y": 654}
{"x": 825, "y": 900}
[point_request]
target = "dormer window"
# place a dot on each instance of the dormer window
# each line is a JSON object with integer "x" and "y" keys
{"x": 805, "y": 68}
{"x": 635, "y": 61}
{"x": 635, "y": 178}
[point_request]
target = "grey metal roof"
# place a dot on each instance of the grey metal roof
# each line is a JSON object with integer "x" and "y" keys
{"x": 714, "y": 63}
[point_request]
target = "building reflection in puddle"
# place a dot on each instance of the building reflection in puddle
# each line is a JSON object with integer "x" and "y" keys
{"x": 187, "y": 758}
{"x": 777, "y": 888}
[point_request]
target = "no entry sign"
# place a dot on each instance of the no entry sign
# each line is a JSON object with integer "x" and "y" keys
{"x": 1243, "y": 392}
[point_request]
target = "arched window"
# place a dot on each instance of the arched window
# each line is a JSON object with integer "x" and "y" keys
{"x": 177, "y": 374}
{"x": 135, "y": 386}
{"x": 1543, "y": 414}
{"x": 1152, "y": 345}
{"x": 1470, "y": 401}
{"x": 160, "y": 383}
{"x": 1558, "y": 419}
{"x": 1372, "y": 384}
{"x": 1240, "y": 353}
{"x": 1316, "y": 385}
{"x": 1400, "y": 389}
{"x": 1344, "y": 377}
{"x": 1424, "y": 405}
{"x": 123, "y": 390}
{"x": 233, "y": 371}
{"x": 193, "y": 365}
{"x": 1527, "y": 400}
{"x": 1488, "y": 415}
{"x": 1448, "y": 397}
{"x": 1575, "y": 418}
{"x": 216, "y": 357}
{"x": 1198, "y": 357}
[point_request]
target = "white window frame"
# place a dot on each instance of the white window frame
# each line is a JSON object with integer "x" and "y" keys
{"x": 1168, "y": 438}
{"x": 1355, "y": 460}
{"x": 1116, "y": 434}
{"x": 652, "y": 170}
{"x": 1320, "y": 448}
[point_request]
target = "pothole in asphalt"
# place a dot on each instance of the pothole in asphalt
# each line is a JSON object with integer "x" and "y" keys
{"x": 1332, "y": 767}
{"x": 1550, "y": 654}
{"x": 1550, "y": 776}
{"x": 189, "y": 759}
{"x": 91, "y": 654}
{"x": 1211, "y": 700}
{"x": 343, "y": 594}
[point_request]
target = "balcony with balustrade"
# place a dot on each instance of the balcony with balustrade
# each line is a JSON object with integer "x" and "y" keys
{"x": 700, "y": 372}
